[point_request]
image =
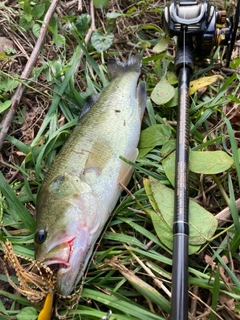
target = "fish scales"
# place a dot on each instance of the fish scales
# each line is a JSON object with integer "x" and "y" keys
{"x": 82, "y": 186}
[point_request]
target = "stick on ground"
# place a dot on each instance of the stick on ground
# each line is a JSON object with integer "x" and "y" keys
{"x": 4, "y": 126}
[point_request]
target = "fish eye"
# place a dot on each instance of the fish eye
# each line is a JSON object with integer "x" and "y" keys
{"x": 40, "y": 236}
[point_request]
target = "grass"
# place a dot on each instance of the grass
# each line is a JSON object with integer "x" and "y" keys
{"x": 130, "y": 271}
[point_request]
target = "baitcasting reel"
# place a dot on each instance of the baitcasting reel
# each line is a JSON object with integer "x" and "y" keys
{"x": 208, "y": 27}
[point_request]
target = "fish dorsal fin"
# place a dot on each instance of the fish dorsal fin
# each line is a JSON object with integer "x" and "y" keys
{"x": 89, "y": 103}
{"x": 116, "y": 68}
{"x": 142, "y": 97}
{"x": 126, "y": 169}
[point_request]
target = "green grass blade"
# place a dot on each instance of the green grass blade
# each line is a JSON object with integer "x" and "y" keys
{"x": 215, "y": 294}
{"x": 235, "y": 242}
{"x": 57, "y": 96}
{"x": 232, "y": 205}
{"x": 16, "y": 205}
{"x": 234, "y": 148}
{"x": 117, "y": 302}
{"x": 87, "y": 313}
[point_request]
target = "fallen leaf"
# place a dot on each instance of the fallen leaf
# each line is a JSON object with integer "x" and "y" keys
{"x": 202, "y": 82}
{"x": 208, "y": 259}
{"x": 226, "y": 300}
{"x": 153, "y": 136}
{"x": 202, "y": 224}
{"x": 6, "y": 44}
{"x": 162, "y": 45}
{"x": 163, "y": 92}
{"x": 205, "y": 162}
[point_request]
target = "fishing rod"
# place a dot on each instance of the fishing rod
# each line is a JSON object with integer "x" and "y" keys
{"x": 195, "y": 25}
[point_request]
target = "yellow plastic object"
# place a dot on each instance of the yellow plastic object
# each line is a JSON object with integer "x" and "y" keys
{"x": 46, "y": 312}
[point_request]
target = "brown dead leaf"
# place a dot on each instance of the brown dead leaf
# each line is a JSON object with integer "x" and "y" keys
{"x": 210, "y": 261}
{"x": 5, "y": 44}
{"x": 236, "y": 119}
{"x": 222, "y": 270}
{"x": 226, "y": 300}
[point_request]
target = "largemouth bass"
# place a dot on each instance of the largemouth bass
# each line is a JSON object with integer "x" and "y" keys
{"x": 83, "y": 184}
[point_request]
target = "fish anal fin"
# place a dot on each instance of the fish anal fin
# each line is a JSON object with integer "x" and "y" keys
{"x": 126, "y": 169}
{"x": 142, "y": 97}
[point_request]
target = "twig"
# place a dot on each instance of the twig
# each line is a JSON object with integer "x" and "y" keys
{"x": 225, "y": 214}
{"x": 26, "y": 72}
{"x": 80, "y": 5}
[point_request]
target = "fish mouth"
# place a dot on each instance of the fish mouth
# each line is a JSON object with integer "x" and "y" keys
{"x": 60, "y": 259}
{"x": 66, "y": 257}
{"x": 57, "y": 264}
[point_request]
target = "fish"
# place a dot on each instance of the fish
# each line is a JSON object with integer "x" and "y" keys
{"x": 85, "y": 180}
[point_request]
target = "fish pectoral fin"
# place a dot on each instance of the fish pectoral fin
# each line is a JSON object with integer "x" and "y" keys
{"x": 91, "y": 174}
{"x": 142, "y": 97}
{"x": 126, "y": 169}
{"x": 97, "y": 160}
{"x": 88, "y": 104}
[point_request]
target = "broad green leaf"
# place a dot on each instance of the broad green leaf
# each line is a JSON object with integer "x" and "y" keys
{"x": 114, "y": 15}
{"x": 144, "y": 44}
{"x": 36, "y": 29}
{"x": 100, "y": 4}
{"x": 163, "y": 92}
{"x": 153, "y": 136}
{"x": 203, "y": 82}
{"x": 28, "y": 17}
{"x": 23, "y": 23}
{"x": 205, "y": 162}
{"x": 3, "y": 56}
{"x": 174, "y": 101}
{"x": 172, "y": 78}
{"x": 38, "y": 10}
{"x": 168, "y": 147}
{"x": 8, "y": 84}
{"x": 209, "y": 162}
{"x": 235, "y": 63}
{"x": 168, "y": 164}
{"x": 100, "y": 41}
{"x": 162, "y": 45}
{"x": 5, "y": 105}
{"x": 28, "y": 313}
{"x": 59, "y": 40}
{"x": 82, "y": 23}
{"x": 26, "y": 7}
{"x": 202, "y": 224}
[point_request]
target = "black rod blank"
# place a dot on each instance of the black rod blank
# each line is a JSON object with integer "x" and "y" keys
{"x": 179, "y": 304}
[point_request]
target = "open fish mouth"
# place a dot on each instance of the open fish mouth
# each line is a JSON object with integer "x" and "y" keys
{"x": 58, "y": 258}
{"x": 57, "y": 264}
{"x": 65, "y": 259}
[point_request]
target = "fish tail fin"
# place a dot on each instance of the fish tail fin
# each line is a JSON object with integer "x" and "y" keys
{"x": 116, "y": 68}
